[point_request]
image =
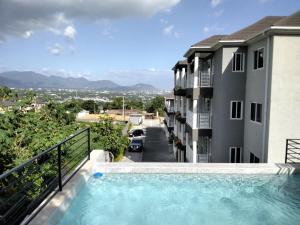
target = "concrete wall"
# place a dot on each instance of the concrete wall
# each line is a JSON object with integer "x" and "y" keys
{"x": 227, "y": 86}
{"x": 284, "y": 119}
{"x": 255, "y": 92}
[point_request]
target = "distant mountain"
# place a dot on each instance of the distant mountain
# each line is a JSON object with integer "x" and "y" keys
{"x": 29, "y": 79}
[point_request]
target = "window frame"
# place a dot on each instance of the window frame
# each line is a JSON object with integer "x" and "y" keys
{"x": 234, "y": 62}
{"x": 255, "y": 112}
{"x": 231, "y": 148}
{"x": 242, "y": 111}
{"x": 256, "y": 62}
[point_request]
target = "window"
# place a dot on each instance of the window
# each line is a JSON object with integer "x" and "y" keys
{"x": 235, "y": 155}
{"x": 258, "y": 59}
{"x": 238, "y": 62}
{"x": 236, "y": 110}
{"x": 253, "y": 158}
{"x": 256, "y": 112}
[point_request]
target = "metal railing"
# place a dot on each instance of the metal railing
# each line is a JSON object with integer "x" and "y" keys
{"x": 292, "y": 154}
{"x": 204, "y": 120}
{"x": 23, "y": 188}
{"x": 205, "y": 79}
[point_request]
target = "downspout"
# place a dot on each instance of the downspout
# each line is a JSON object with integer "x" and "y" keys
{"x": 267, "y": 103}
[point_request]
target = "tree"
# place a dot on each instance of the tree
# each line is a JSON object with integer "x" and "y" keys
{"x": 156, "y": 104}
{"x": 109, "y": 137}
{"x": 90, "y": 105}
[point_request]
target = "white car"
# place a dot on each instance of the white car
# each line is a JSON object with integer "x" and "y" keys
{"x": 137, "y": 133}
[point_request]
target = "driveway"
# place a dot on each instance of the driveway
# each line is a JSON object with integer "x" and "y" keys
{"x": 156, "y": 147}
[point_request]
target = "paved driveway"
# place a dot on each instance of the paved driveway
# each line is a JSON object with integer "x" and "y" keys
{"x": 156, "y": 147}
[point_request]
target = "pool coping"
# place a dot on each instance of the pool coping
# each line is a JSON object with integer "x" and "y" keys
{"x": 59, "y": 202}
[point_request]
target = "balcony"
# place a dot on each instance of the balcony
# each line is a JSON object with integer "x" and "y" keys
{"x": 189, "y": 118}
{"x": 204, "y": 120}
{"x": 179, "y": 117}
{"x": 205, "y": 79}
{"x": 178, "y": 90}
{"x": 169, "y": 109}
{"x": 202, "y": 158}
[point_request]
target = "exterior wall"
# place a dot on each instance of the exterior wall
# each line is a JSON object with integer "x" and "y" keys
{"x": 284, "y": 96}
{"x": 255, "y": 92}
{"x": 227, "y": 86}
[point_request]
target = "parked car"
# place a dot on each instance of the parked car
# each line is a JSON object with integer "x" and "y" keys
{"x": 136, "y": 145}
{"x": 137, "y": 133}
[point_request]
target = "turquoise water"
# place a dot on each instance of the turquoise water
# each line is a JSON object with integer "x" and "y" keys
{"x": 175, "y": 199}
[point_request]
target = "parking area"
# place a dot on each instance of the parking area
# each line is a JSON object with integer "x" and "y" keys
{"x": 156, "y": 147}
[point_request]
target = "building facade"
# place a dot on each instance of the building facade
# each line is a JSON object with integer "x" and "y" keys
{"x": 238, "y": 94}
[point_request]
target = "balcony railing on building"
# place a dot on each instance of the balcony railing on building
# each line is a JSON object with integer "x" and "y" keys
{"x": 190, "y": 81}
{"x": 204, "y": 120}
{"x": 205, "y": 79}
{"x": 202, "y": 158}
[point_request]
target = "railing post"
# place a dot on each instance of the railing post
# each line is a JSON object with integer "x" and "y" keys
{"x": 89, "y": 143}
{"x": 286, "y": 150}
{"x": 59, "y": 167}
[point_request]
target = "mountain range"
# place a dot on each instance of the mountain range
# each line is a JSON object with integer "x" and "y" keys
{"x": 29, "y": 79}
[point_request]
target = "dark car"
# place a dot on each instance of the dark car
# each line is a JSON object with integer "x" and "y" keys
{"x": 136, "y": 145}
{"x": 136, "y": 133}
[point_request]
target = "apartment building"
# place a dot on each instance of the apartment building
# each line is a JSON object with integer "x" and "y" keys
{"x": 240, "y": 93}
{"x": 169, "y": 116}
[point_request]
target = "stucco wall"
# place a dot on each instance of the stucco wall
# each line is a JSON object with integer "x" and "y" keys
{"x": 284, "y": 119}
{"x": 255, "y": 92}
{"x": 228, "y": 86}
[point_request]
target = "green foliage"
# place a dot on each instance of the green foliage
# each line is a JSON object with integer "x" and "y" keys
{"x": 117, "y": 103}
{"x": 109, "y": 137}
{"x": 90, "y": 106}
{"x": 157, "y": 104}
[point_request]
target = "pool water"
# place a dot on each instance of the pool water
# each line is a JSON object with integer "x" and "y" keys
{"x": 186, "y": 199}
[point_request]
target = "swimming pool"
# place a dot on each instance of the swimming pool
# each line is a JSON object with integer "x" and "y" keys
{"x": 179, "y": 199}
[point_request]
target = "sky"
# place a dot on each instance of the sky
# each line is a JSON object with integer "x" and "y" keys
{"x": 126, "y": 41}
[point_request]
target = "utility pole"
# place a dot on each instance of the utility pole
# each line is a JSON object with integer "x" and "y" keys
{"x": 123, "y": 109}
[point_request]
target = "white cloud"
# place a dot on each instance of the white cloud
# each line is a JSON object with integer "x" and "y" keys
{"x": 19, "y": 16}
{"x": 168, "y": 30}
{"x": 27, "y": 34}
{"x": 70, "y": 32}
{"x": 209, "y": 29}
{"x": 215, "y": 3}
{"x": 56, "y": 49}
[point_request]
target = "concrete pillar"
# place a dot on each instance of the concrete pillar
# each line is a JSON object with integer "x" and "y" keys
{"x": 177, "y": 78}
{"x": 194, "y": 151}
{"x": 183, "y": 78}
{"x": 196, "y": 69}
{"x": 195, "y": 106}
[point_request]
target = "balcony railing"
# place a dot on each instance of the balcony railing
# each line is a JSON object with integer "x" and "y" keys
{"x": 205, "y": 79}
{"x": 190, "y": 81}
{"x": 202, "y": 158}
{"x": 204, "y": 120}
{"x": 189, "y": 118}
{"x": 25, "y": 187}
{"x": 292, "y": 151}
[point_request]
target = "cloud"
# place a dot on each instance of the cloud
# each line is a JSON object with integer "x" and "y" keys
{"x": 19, "y": 16}
{"x": 56, "y": 49}
{"x": 27, "y": 34}
{"x": 168, "y": 30}
{"x": 209, "y": 29}
{"x": 70, "y": 32}
{"x": 215, "y": 3}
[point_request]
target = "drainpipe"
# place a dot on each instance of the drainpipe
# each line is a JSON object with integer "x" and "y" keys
{"x": 264, "y": 142}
